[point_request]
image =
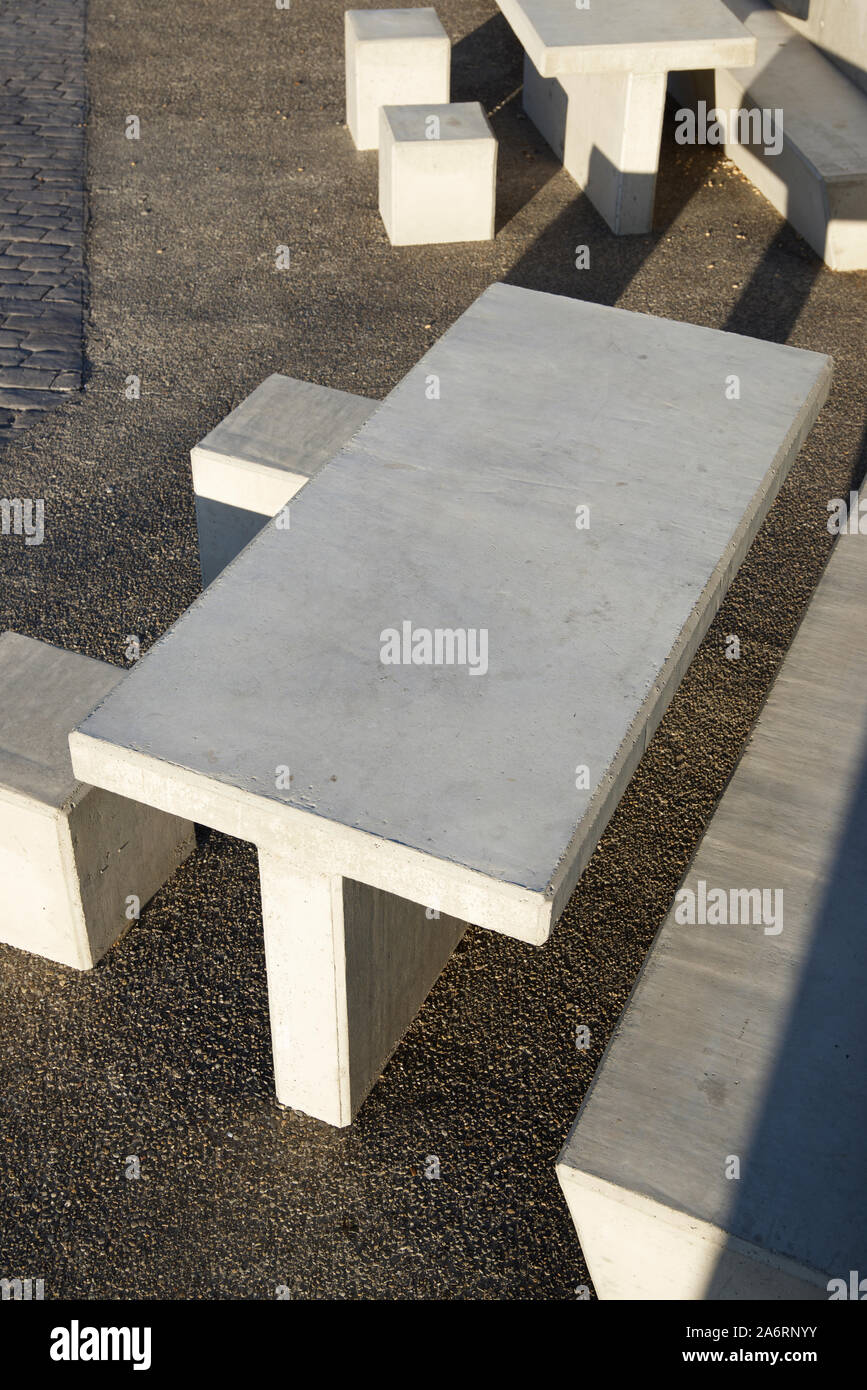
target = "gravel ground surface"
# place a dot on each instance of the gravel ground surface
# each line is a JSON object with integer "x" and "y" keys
{"x": 162, "y": 1052}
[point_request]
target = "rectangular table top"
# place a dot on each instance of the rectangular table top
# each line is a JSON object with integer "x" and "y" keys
{"x": 454, "y": 508}
{"x": 639, "y": 36}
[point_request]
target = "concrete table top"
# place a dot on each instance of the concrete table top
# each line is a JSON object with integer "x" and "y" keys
{"x": 629, "y": 35}
{"x": 454, "y": 508}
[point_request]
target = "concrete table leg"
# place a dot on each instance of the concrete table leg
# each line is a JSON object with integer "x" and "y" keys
{"x": 607, "y": 129}
{"x": 348, "y": 968}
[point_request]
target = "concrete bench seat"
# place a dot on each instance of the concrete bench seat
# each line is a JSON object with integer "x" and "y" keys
{"x": 595, "y": 83}
{"x": 544, "y": 531}
{"x": 837, "y": 27}
{"x": 721, "y": 1150}
{"x": 818, "y": 181}
{"x": 76, "y": 862}
{"x": 257, "y": 458}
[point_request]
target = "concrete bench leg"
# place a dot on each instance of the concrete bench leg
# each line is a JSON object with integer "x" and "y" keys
{"x": 348, "y": 969}
{"x": 607, "y": 129}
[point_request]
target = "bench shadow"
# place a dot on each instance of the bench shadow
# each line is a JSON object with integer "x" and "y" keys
{"x": 525, "y": 161}
{"x": 487, "y": 66}
{"x": 550, "y": 263}
{"x": 798, "y": 9}
{"x": 808, "y": 1152}
{"x": 859, "y": 465}
{"x": 778, "y": 289}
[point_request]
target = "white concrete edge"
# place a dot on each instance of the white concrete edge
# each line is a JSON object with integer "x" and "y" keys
{"x": 83, "y": 952}
{"x": 316, "y": 844}
{"x": 341, "y": 1001}
{"x": 685, "y": 55}
{"x": 385, "y": 44}
{"x": 239, "y": 482}
{"x": 34, "y": 805}
{"x": 81, "y": 956}
{"x": 708, "y": 1240}
{"x": 613, "y": 786}
{"x": 646, "y": 59}
{"x": 28, "y": 801}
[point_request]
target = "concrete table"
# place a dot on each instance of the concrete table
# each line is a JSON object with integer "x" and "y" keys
{"x": 459, "y": 674}
{"x": 595, "y": 81}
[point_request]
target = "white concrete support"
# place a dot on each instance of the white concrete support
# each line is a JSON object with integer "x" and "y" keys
{"x": 606, "y": 128}
{"x": 348, "y": 969}
{"x": 392, "y": 57}
{"x": 77, "y": 863}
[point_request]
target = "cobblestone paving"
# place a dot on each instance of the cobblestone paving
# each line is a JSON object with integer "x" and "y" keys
{"x": 42, "y": 206}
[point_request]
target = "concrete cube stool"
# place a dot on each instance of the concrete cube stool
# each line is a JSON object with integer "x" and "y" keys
{"x": 71, "y": 856}
{"x": 392, "y": 56}
{"x": 437, "y": 173}
{"x": 248, "y": 467}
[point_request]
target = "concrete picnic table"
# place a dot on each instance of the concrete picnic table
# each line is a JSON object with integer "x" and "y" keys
{"x": 423, "y": 700}
{"x": 595, "y": 82}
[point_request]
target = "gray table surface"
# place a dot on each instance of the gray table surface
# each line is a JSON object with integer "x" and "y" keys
{"x": 629, "y": 35}
{"x": 459, "y": 512}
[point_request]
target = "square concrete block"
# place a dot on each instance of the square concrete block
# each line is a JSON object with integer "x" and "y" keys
{"x": 392, "y": 57}
{"x": 254, "y": 461}
{"x": 437, "y": 173}
{"x": 72, "y": 857}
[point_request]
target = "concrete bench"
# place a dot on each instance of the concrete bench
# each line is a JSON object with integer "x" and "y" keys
{"x": 818, "y": 179}
{"x": 837, "y": 27}
{"x": 76, "y": 863}
{"x": 721, "y": 1150}
{"x": 595, "y": 83}
{"x": 255, "y": 460}
{"x": 529, "y": 522}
